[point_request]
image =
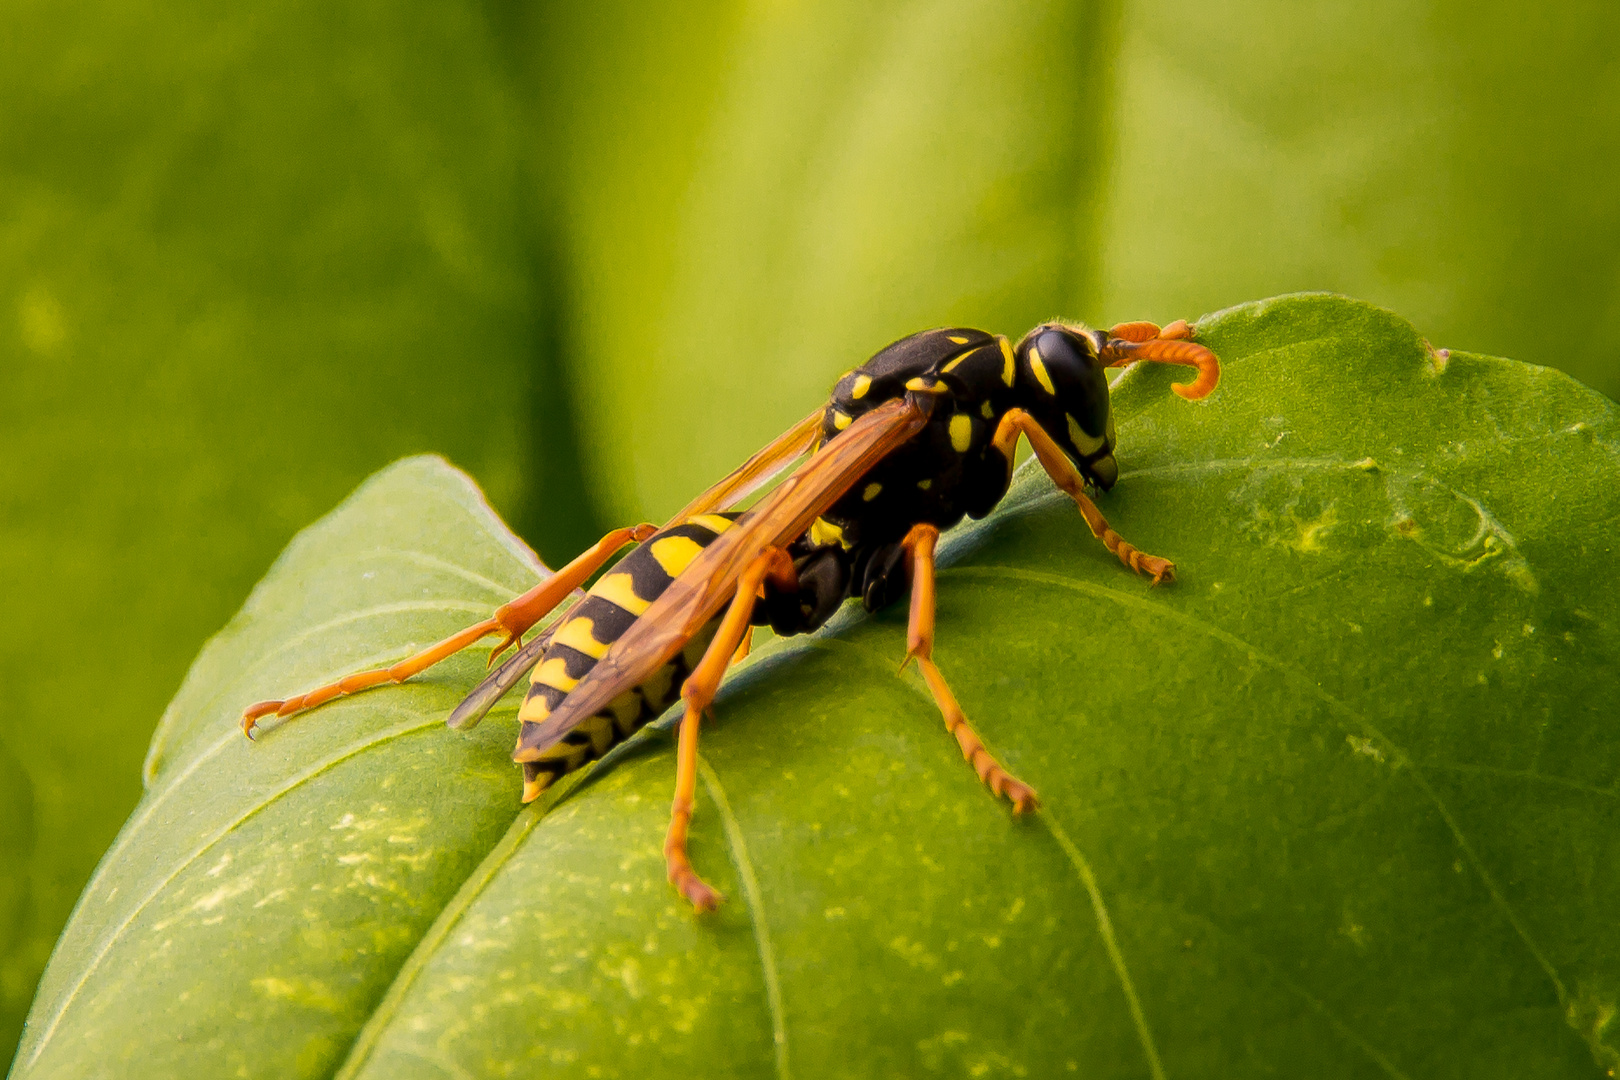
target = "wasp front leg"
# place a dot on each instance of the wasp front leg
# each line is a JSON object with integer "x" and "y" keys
{"x": 919, "y": 545}
{"x": 698, "y": 693}
{"x": 1063, "y": 473}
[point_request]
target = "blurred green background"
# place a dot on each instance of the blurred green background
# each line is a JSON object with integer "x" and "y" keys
{"x": 596, "y": 256}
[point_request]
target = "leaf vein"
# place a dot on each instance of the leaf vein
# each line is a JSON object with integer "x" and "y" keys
{"x": 294, "y": 782}
{"x": 756, "y": 911}
{"x": 446, "y": 921}
{"x": 1398, "y": 753}
{"x": 1105, "y": 930}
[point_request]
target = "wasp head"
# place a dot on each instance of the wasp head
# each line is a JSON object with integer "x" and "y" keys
{"x": 1062, "y": 385}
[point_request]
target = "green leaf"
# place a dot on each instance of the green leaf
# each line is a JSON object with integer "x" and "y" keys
{"x": 1340, "y": 802}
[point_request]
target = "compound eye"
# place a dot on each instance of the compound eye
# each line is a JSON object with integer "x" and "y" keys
{"x": 1066, "y": 367}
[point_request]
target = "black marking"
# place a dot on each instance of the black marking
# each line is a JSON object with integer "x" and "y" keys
{"x": 610, "y": 622}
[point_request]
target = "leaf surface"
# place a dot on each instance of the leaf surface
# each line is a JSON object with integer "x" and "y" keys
{"x": 1341, "y": 802}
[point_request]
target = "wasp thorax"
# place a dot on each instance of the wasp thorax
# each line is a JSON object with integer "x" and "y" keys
{"x": 1061, "y": 381}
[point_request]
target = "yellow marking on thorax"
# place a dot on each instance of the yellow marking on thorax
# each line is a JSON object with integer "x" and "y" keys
{"x": 580, "y": 634}
{"x": 924, "y": 385}
{"x": 675, "y": 553}
{"x": 840, "y": 420}
{"x": 715, "y": 523}
{"x": 1039, "y": 365}
{"x": 824, "y": 532}
{"x": 961, "y": 433}
{"x": 1086, "y": 444}
{"x": 925, "y": 484}
{"x": 554, "y": 673}
{"x": 987, "y": 412}
{"x": 620, "y": 589}
{"x": 1009, "y": 368}
{"x": 959, "y": 359}
{"x": 872, "y": 491}
{"x": 959, "y": 340}
{"x": 862, "y": 384}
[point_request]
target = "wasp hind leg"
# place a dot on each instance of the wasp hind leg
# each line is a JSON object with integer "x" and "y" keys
{"x": 698, "y": 692}
{"x": 919, "y": 546}
{"x": 513, "y": 619}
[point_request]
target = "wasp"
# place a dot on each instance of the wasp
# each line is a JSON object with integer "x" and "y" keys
{"x": 920, "y": 436}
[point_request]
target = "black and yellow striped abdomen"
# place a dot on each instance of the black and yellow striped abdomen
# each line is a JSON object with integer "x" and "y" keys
{"x": 612, "y": 605}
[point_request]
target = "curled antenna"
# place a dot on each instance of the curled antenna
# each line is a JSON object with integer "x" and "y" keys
{"x": 1130, "y": 342}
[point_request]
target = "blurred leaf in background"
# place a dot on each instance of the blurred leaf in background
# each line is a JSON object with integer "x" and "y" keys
{"x": 745, "y": 212}
{"x": 245, "y": 259}
{"x": 1453, "y": 161}
{"x": 596, "y": 254}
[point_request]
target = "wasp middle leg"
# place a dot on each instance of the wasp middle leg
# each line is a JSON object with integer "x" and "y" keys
{"x": 774, "y": 567}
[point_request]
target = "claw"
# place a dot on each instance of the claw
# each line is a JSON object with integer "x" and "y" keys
{"x": 495, "y": 653}
{"x": 697, "y": 891}
{"x": 251, "y": 714}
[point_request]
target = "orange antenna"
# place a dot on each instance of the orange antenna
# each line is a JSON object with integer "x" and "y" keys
{"x": 1130, "y": 342}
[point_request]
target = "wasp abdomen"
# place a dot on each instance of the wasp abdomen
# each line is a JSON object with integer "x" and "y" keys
{"x": 610, "y": 608}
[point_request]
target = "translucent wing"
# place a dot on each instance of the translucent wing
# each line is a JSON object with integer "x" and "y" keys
{"x": 748, "y": 478}
{"x": 710, "y": 581}
{"x": 495, "y": 685}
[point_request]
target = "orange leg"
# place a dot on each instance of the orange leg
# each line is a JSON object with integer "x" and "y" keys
{"x": 919, "y": 544}
{"x": 1063, "y": 473}
{"x": 745, "y": 648}
{"x": 513, "y": 619}
{"x": 1133, "y": 341}
{"x": 698, "y": 691}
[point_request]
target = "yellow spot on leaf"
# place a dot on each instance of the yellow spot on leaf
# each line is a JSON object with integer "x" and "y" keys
{"x": 40, "y": 319}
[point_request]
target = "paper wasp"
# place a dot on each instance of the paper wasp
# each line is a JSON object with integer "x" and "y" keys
{"x": 921, "y": 435}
